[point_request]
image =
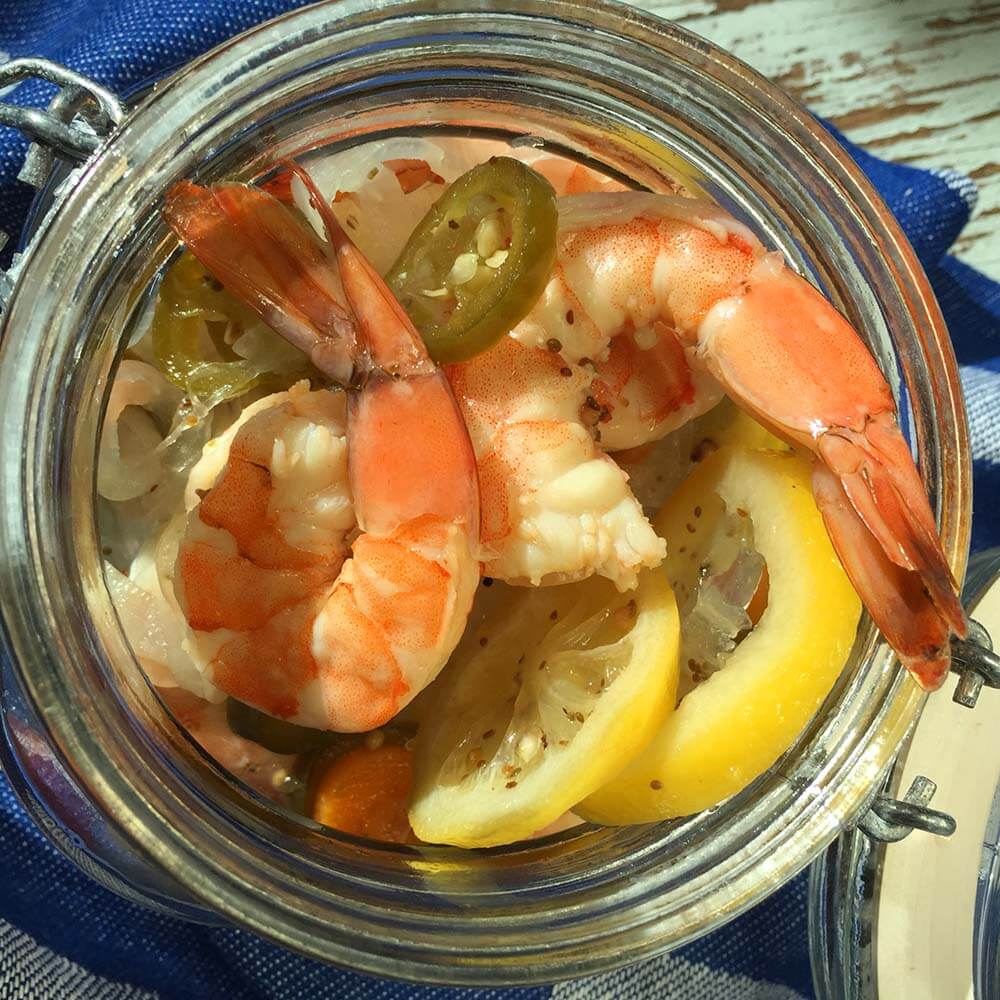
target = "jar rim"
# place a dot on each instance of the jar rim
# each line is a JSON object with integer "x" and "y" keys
{"x": 46, "y": 330}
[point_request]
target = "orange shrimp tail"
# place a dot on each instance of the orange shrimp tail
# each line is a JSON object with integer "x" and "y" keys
{"x": 405, "y": 391}
{"x": 879, "y": 478}
{"x": 896, "y": 597}
{"x": 783, "y": 351}
{"x": 268, "y": 259}
{"x": 393, "y": 342}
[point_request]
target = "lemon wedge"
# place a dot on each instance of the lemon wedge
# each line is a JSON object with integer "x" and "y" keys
{"x": 738, "y": 721}
{"x": 547, "y": 697}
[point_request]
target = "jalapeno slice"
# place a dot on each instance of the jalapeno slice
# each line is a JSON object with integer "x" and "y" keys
{"x": 273, "y": 734}
{"x": 479, "y": 260}
{"x": 196, "y": 318}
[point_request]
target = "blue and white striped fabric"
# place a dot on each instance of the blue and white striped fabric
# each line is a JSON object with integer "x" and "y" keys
{"x": 61, "y": 936}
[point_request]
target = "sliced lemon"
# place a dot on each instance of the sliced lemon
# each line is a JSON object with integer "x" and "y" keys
{"x": 554, "y": 691}
{"x": 736, "y": 723}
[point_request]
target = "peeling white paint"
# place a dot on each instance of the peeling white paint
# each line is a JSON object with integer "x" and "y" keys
{"x": 917, "y": 81}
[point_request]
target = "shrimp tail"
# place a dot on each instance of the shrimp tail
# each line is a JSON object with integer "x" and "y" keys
{"x": 895, "y": 596}
{"x": 269, "y": 260}
{"x": 390, "y": 338}
{"x": 784, "y": 353}
{"x": 885, "y": 490}
{"x": 404, "y": 389}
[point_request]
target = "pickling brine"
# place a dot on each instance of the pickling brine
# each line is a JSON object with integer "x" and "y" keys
{"x": 453, "y": 493}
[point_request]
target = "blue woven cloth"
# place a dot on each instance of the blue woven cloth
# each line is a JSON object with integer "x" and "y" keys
{"x": 63, "y": 937}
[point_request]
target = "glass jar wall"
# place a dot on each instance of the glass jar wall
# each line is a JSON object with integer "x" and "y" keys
{"x": 638, "y": 98}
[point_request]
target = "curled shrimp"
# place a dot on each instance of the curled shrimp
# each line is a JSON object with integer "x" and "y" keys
{"x": 555, "y": 508}
{"x": 645, "y": 267}
{"x": 293, "y": 629}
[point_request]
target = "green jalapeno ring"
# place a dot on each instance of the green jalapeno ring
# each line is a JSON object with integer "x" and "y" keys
{"x": 460, "y": 320}
{"x": 189, "y": 301}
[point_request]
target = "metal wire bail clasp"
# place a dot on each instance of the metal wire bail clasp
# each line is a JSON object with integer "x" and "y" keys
{"x": 973, "y": 659}
{"x": 889, "y": 820}
{"x": 78, "y": 119}
{"x": 56, "y": 130}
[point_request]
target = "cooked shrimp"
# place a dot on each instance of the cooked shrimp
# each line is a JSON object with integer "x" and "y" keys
{"x": 281, "y": 624}
{"x": 555, "y": 508}
{"x": 605, "y": 309}
{"x": 592, "y": 368}
{"x": 634, "y": 262}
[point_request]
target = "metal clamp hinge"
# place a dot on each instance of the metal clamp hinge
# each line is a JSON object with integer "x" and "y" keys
{"x": 973, "y": 659}
{"x": 889, "y": 820}
{"x": 76, "y": 122}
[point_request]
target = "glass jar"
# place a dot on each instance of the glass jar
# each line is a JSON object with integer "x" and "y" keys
{"x": 123, "y": 789}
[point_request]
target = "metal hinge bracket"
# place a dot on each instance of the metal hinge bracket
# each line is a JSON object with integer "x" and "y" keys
{"x": 889, "y": 820}
{"x": 78, "y": 119}
{"x": 973, "y": 659}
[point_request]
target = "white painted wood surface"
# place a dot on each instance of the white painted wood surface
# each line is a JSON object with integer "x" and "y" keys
{"x": 915, "y": 81}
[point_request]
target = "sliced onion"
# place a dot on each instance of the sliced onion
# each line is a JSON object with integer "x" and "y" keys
{"x": 151, "y": 619}
{"x": 378, "y": 213}
{"x": 129, "y": 463}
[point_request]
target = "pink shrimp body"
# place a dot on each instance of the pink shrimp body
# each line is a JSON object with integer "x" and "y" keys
{"x": 634, "y": 262}
{"x": 555, "y": 508}
{"x": 286, "y": 624}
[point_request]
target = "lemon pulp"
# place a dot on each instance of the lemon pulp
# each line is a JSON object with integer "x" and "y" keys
{"x": 738, "y": 721}
{"x": 549, "y": 696}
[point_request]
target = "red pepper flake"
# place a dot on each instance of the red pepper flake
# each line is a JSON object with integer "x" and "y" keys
{"x": 413, "y": 174}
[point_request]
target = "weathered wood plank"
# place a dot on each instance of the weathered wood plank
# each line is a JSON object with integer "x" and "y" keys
{"x": 916, "y": 81}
